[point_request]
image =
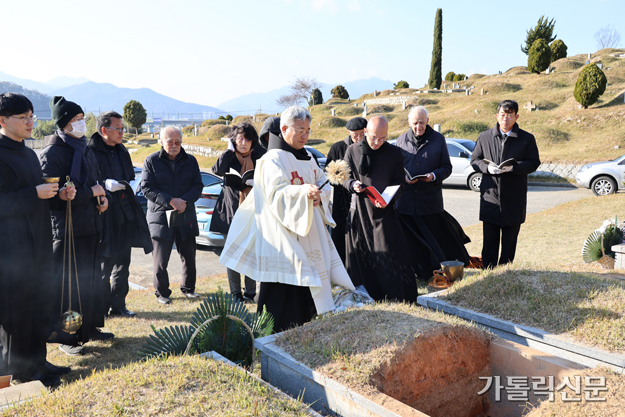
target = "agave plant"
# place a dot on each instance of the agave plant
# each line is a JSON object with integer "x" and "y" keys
{"x": 216, "y": 325}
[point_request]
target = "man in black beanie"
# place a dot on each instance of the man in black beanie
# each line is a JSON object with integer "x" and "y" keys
{"x": 66, "y": 154}
{"x": 342, "y": 197}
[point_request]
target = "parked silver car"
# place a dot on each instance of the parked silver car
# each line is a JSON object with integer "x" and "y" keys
{"x": 462, "y": 173}
{"x": 603, "y": 178}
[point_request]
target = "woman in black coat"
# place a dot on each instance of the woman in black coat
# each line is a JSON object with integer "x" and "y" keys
{"x": 236, "y": 166}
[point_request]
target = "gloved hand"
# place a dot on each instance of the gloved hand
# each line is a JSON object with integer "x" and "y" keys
{"x": 493, "y": 170}
{"x": 113, "y": 185}
{"x": 249, "y": 183}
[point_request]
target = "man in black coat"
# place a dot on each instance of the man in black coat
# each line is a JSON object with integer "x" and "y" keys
{"x": 503, "y": 192}
{"x": 271, "y": 125}
{"x": 421, "y": 205}
{"x": 172, "y": 183}
{"x": 122, "y": 222}
{"x": 341, "y": 197}
{"x": 26, "y": 271}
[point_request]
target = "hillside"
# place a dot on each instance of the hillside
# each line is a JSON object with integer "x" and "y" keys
{"x": 40, "y": 101}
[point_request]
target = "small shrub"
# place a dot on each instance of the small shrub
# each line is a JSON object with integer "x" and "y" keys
{"x": 401, "y": 84}
{"x": 558, "y": 50}
{"x": 340, "y": 92}
{"x": 539, "y": 56}
{"x": 212, "y": 122}
{"x": 221, "y": 118}
{"x": 459, "y": 77}
{"x": 188, "y": 129}
{"x": 229, "y": 118}
{"x": 315, "y": 97}
{"x": 450, "y": 76}
{"x": 590, "y": 85}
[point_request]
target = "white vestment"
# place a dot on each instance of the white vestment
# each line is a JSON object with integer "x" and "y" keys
{"x": 277, "y": 235}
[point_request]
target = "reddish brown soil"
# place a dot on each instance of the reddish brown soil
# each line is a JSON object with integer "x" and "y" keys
{"x": 438, "y": 374}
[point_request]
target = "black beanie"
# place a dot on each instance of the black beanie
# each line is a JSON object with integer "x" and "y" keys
{"x": 357, "y": 123}
{"x": 63, "y": 111}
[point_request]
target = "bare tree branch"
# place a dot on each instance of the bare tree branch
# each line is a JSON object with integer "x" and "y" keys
{"x": 288, "y": 100}
{"x": 607, "y": 37}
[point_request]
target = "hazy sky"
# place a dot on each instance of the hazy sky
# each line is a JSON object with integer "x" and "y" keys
{"x": 207, "y": 52}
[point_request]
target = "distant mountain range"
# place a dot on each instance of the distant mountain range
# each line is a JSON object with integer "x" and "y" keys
{"x": 46, "y": 88}
{"x": 251, "y": 103}
{"x": 40, "y": 101}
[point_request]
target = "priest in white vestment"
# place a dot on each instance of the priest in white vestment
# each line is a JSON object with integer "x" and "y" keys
{"x": 278, "y": 236}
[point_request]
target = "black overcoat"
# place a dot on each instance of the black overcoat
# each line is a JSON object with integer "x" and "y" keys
{"x": 228, "y": 200}
{"x": 163, "y": 179}
{"x": 422, "y": 197}
{"x": 503, "y": 197}
{"x": 376, "y": 249}
{"x": 341, "y": 199}
{"x": 26, "y": 270}
{"x": 122, "y": 211}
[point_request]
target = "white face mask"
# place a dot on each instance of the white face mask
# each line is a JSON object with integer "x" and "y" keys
{"x": 79, "y": 129}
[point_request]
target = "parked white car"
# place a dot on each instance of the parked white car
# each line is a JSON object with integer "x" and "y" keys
{"x": 603, "y": 178}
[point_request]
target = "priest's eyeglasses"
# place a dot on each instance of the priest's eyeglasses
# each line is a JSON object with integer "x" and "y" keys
{"x": 120, "y": 130}
{"x": 301, "y": 131}
{"x": 26, "y": 119}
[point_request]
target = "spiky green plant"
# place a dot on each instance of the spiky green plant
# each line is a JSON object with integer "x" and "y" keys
{"x": 227, "y": 337}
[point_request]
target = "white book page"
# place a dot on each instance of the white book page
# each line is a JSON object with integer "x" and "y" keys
{"x": 389, "y": 192}
{"x": 234, "y": 172}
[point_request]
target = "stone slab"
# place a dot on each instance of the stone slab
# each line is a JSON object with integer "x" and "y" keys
{"x": 17, "y": 394}
{"x": 281, "y": 370}
{"x": 530, "y": 336}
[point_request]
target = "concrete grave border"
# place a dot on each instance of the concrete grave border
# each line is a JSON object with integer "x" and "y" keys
{"x": 529, "y": 336}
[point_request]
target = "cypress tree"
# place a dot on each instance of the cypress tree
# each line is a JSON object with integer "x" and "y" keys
{"x": 436, "y": 71}
{"x": 590, "y": 84}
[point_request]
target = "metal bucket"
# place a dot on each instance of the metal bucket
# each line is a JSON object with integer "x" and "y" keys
{"x": 454, "y": 270}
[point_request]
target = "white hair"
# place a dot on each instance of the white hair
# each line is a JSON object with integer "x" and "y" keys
{"x": 416, "y": 110}
{"x": 294, "y": 113}
{"x": 166, "y": 129}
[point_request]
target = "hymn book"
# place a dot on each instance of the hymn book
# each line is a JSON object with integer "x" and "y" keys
{"x": 415, "y": 177}
{"x": 234, "y": 178}
{"x": 507, "y": 163}
{"x": 383, "y": 198}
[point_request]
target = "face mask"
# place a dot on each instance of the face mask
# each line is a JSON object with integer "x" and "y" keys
{"x": 79, "y": 129}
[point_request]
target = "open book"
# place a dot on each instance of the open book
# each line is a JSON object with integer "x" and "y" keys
{"x": 507, "y": 163}
{"x": 415, "y": 177}
{"x": 383, "y": 198}
{"x": 234, "y": 178}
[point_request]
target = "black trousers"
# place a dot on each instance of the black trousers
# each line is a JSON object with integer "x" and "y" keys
{"x": 234, "y": 280}
{"x": 161, "y": 254}
{"x": 115, "y": 273}
{"x": 493, "y": 234}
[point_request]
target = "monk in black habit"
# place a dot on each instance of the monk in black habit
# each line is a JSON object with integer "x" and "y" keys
{"x": 377, "y": 251}
{"x": 342, "y": 198}
{"x": 26, "y": 270}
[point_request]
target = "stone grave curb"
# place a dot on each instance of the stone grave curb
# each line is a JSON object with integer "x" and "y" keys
{"x": 20, "y": 393}
{"x": 552, "y": 184}
{"x": 281, "y": 370}
{"x": 216, "y": 356}
{"x": 529, "y": 336}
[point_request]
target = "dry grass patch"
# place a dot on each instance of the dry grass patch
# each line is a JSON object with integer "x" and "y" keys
{"x": 350, "y": 347}
{"x": 586, "y": 308}
{"x": 176, "y": 386}
{"x": 613, "y": 406}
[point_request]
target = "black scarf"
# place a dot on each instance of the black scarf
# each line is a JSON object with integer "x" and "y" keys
{"x": 419, "y": 141}
{"x": 278, "y": 142}
{"x": 365, "y": 156}
{"x": 78, "y": 172}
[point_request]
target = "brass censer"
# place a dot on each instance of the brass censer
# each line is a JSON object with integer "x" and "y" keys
{"x": 71, "y": 320}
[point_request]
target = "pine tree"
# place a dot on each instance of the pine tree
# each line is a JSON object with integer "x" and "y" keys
{"x": 590, "y": 84}
{"x": 543, "y": 30}
{"x": 315, "y": 97}
{"x": 436, "y": 71}
{"x": 135, "y": 114}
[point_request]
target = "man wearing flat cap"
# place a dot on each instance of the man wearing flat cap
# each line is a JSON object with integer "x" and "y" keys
{"x": 66, "y": 154}
{"x": 342, "y": 197}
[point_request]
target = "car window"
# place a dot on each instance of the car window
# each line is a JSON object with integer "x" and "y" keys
{"x": 315, "y": 152}
{"x": 209, "y": 179}
{"x": 454, "y": 151}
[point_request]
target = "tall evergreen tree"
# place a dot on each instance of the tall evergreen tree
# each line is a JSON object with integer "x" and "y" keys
{"x": 436, "y": 71}
{"x": 542, "y": 30}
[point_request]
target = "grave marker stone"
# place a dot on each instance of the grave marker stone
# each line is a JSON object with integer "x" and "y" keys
{"x": 600, "y": 65}
{"x": 482, "y": 92}
{"x": 375, "y": 93}
{"x": 466, "y": 92}
{"x": 547, "y": 70}
{"x": 529, "y": 106}
{"x": 444, "y": 85}
{"x": 364, "y": 112}
{"x": 437, "y": 128}
{"x": 589, "y": 55}
{"x": 403, "y": 105}
{"x": 333, "y": 112}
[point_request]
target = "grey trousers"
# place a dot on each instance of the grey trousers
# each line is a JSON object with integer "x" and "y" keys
{"x": 234, "y": 279}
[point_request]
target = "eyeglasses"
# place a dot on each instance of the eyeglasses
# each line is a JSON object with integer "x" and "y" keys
{"x": 507, "y": 116}
{"x": 418, "y": 123}
{"x": 243, "y": 139}
{"x": 119, "y": 129}
{"x": 301, "y": 131}
{"x": 173, "y": 142}
{"x": 26, "y": 119}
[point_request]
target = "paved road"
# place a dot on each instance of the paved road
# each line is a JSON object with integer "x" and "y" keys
{"x": 462, "y": 203}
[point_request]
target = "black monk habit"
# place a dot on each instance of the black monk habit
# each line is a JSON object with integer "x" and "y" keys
{"x": 376, "y": 248}
{"x": 25, "y": 262}
{"x": 340, "y": 200}
{"x": 290, "y": 305}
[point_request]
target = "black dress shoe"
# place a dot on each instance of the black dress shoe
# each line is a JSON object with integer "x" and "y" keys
{"x": 99, "y": 335}
{"x": 123, "y": 312}
{"x": 47, "y": 380}
{"x": 56, "y": 370}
